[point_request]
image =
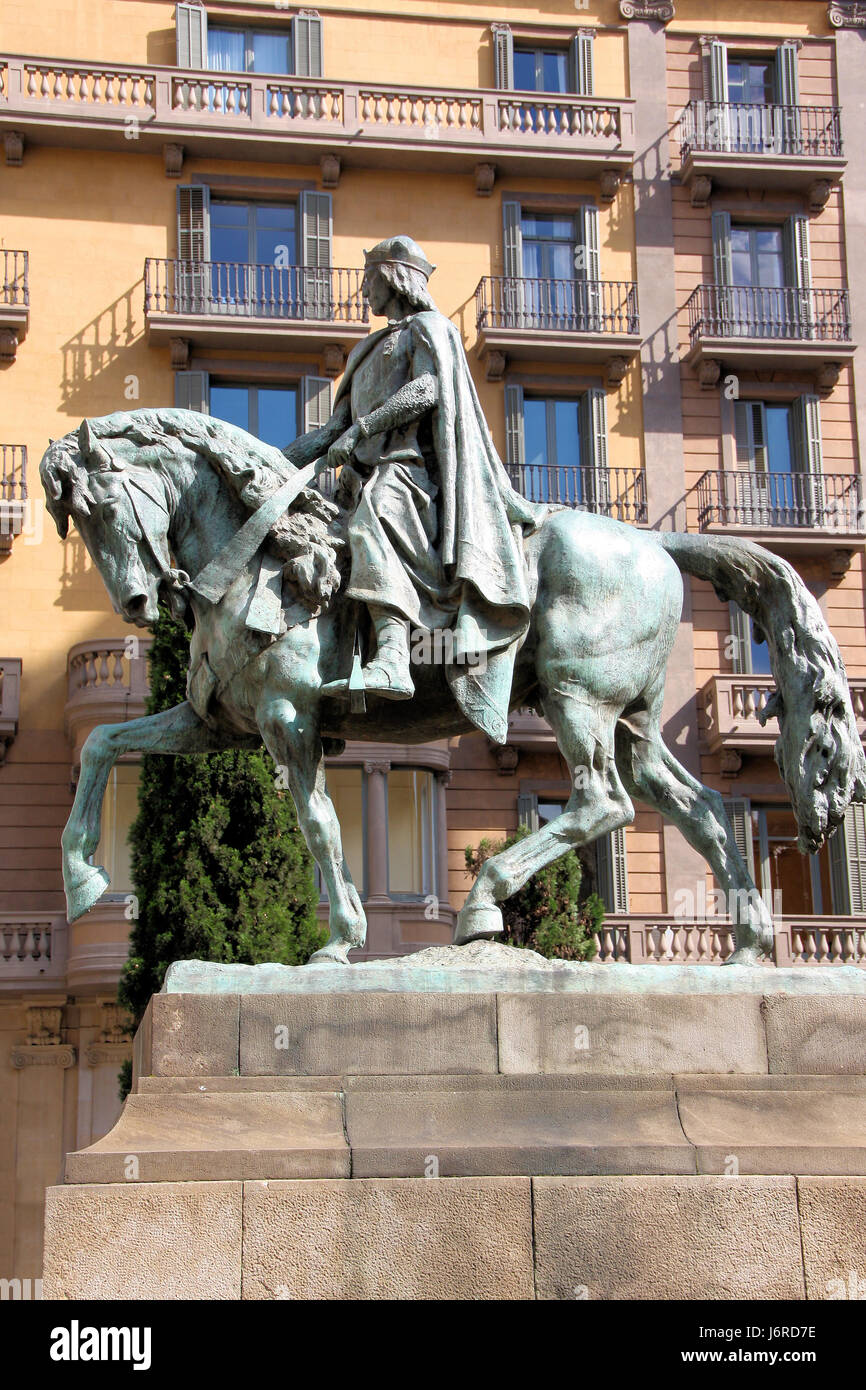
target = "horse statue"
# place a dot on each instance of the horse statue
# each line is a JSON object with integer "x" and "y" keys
{"x": 176, "y": 506}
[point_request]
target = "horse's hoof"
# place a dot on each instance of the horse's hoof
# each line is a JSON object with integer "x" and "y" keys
{"x": 477, "y": 924}
{"x": 81, "y": 896}
{"x": 332, "y": 953}
{"x": 745, "y": 955}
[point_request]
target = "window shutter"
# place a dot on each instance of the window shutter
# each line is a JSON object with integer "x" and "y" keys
{"x": 317, "y": 402}
{"x": 587, "y": 270}
{"x": 527, "y": 811}
{"x": 612, "y": 871}
{"x": 307, "y": 44}
{"x": 193, "y": 222}
{"x": 722, "y": 261}
{"x": 503, "y": 56}
{"x": 512, "y": 239}
{"x": 316, "y": 235}
{"x": 593, "y": 450}
{"x": 717, "y": 71}
{"x": 741, "y": 657}
{"x": 787, "y": 85}
{"x": 848, "y": 863}
{"x": 798, "y": 261}
{"x": 739, "y": 811}
{"x": 191, "y": 33}
{"x": 582, "y": 78}
{"x": 809, "y": 456}
{"x": 515, "y": 453}
{"x": 191, "y": 391}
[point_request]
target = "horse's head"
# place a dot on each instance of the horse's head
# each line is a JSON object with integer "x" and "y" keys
{"x": 123, "y": 516}
{"x": 819, "y": 752}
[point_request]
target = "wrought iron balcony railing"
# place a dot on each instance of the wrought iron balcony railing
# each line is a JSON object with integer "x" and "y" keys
{"x": 253, "y": 291}
{"x": 559, "y": 306}
{"x": 13, "y": 472}
{"x": 722, "y": 127}
{"x": 616, "y": 492}
{"x": 15, "y": 289}
{"x": 755, "y": 311}
{"x": 743, "y": 497}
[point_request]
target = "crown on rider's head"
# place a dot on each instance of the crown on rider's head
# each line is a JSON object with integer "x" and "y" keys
{"x": 399, "y": 250}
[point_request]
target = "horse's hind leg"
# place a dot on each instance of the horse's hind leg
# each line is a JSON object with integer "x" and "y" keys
{"x": 652, "y": 774}
{"x": 600, "y": 805}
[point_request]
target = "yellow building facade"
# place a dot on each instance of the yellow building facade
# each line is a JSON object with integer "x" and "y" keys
{"x": 645, "y": 219}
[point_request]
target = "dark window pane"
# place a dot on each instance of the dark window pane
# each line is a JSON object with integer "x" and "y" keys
{"x": 524, "y": 69}
{"x": 271, "y": 52}
{"x": 535, "y": 431}
{"x": 277, "y": 415}
{"x": 231, "y": 403}
{"x": 554, "y": 72}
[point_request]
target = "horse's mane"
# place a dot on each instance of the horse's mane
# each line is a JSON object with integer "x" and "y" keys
{"x": 308, "y": 538}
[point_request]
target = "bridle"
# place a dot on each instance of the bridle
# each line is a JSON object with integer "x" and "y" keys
{"x": 174, "y": 580}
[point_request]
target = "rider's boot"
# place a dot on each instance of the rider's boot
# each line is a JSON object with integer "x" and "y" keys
{"x": 388, "y": 674}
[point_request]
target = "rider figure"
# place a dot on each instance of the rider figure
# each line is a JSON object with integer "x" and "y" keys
{"x": 436, "y": 532}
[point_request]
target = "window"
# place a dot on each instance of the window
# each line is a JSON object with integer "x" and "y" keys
{"x": 778, "y": 478}
{"x": 541, "y": 70}
{"x": 119, "y": 810}
{"x": 611, "y": 874}
{"x": 346, "y": 789}
{"x": 410, "y": 832}
{"x": 258, "y": 259}
{"x": 295, "y": 48}
{"x": 268, "y": 412}
{"x": 763, "y": 279}
{"x": 249, "y": 50}
{"x": 543, "y": 67}
{"x": 754, "y": 100}
{"x": 552, "y": 271}
{"x": 751, "y": 79}
{"x": 557, "y": 447}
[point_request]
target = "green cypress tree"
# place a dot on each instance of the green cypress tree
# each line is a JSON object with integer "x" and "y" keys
{"x": 219, "y": 866}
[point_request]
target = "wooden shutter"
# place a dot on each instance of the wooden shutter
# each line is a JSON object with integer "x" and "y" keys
{"x": 515, "y": 452}
{"x": 191, "y": 391}
{"x": 751, "y": 435}
{"x": 316, "y": 236}
{"x": 722, "y": 261}
{"x": 317, "y": 402}
{"x": 612, "y": 871}
{"x": 527, "y": 811}
{"x": 716, "y": 72}
{"x": 741, "y": 658}
{"x": 587, "y": 270}
{"x": 848, "y": 863}
{"x": 512, "y": 265}
{"x": 787, "y": 85}
{"x": 593, "y": 450}
{"x": 191, "y": 33}
{"x": 798, "y": 260}
{"x": 503, "y": 56}
{"x": 193, "y": 222}
{"x": 739, "y": 811}
{"x": 809, "y": 456}
{"x": 307, "y": 44}
{"x": 582, "y": 72}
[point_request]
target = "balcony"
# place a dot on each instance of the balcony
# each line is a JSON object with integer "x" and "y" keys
{"x": 14, "y": 301}
{"x": 291, "y": 120}
{"x": 795, "y": 148}
{"x": 33, "y": 951}
{"x": 668, "y": 940}
{"x": 732, "y": 705}
{"x": 13, "y": 493}
{"x": 803, "y": 511}
{"x": 763, "y": 329}
{"x": 616, "y": 492}
{"x": 107, "y": 682}
{"x": 231, "y": 304}
{"x": 523, "y": 319}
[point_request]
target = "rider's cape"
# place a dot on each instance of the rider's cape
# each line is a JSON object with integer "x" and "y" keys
{"x": 482, "y": 524}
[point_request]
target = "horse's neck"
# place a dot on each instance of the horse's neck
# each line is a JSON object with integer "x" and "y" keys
{"x": 205, "y": 519}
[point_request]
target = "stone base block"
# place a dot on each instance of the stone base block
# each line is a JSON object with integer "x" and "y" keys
{"x": 653, "y": 1237}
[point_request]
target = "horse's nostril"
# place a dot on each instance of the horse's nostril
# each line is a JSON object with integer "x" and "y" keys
{"x": 135, "y": 605}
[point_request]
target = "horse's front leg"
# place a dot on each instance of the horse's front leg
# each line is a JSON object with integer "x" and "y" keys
{"x": 291, "y": 736}
{"x": 177, "y": 730}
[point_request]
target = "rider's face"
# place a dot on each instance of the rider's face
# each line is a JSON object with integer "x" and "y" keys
{"x": 376, "y": 290}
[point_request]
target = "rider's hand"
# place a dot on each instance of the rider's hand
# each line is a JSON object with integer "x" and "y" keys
{"x": 341, "y": 452}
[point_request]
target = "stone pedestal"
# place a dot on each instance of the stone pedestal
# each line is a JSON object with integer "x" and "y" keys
{"x": 533, "y": 1143}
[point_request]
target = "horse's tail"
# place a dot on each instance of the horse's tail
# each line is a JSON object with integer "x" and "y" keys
{"x": 818, "y": 752}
